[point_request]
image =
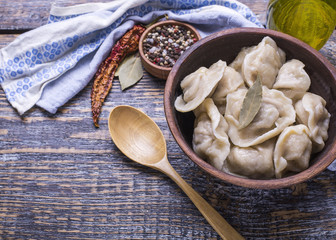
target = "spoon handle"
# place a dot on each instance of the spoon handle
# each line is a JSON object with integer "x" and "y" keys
{"x": 221, "y": 226}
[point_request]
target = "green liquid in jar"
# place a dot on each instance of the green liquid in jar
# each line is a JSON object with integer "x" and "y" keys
{"x": 312, "y": 21}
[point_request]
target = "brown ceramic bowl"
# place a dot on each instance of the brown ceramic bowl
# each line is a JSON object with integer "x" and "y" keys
{"x": 226, "y": 45}
{"x": 153, "y": 69}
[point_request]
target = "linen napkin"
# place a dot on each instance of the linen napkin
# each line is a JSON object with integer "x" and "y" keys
{"x": 50, "y": 64}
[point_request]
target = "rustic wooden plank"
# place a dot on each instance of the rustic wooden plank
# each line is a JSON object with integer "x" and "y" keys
{"x": 5, "y": 39}
{"x": 24, "y": 15}
{"x": 72, "y": 191}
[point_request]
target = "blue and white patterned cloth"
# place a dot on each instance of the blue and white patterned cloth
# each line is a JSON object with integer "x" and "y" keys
{"x": 49, "y": 65}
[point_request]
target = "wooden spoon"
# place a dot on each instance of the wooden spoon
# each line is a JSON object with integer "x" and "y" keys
{"x": 140, "y": 139}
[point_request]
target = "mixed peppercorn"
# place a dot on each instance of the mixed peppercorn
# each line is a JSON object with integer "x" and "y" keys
{"x": 164, "y": 45}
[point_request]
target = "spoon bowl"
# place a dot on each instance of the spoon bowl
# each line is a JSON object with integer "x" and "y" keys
{"x": 137, "y": 137}
{"x": 140, "y": 139}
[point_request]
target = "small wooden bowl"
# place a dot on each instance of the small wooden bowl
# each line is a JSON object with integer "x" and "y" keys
{"x": 226, "y": 45}
{"x": 153, "y": 69}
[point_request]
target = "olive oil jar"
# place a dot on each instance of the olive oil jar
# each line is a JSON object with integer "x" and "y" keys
{"x": 312, "y": 21}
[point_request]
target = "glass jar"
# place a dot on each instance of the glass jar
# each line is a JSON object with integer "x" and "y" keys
{"x": 312, "y": 21}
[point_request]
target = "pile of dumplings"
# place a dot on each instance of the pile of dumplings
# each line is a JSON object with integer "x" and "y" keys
{"x": 290, "y": 125}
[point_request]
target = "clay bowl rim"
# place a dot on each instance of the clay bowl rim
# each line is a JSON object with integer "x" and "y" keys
{"x": 161, "y": 23}
{"x": 169, "y": 97}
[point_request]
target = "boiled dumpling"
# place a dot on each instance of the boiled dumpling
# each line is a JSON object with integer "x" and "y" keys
{"x": 238, "y": 61}
{"x": 264, "y": 61}
{"x": 275, "y": 114}
{"x": 253, "y": 162}
{"x": 210, "y": 140}
{"x": 292, "y": 80}
{"x": 230, "y": 81}
{"x": 292, "y": 150}
{"x": 199, "y": 85}
{"x": 311, "y": 111}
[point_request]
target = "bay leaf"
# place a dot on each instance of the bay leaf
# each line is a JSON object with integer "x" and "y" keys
{"x": 116, "y": 74}
{"x": 251, "y": 104}
{"x": 129, "y": 71}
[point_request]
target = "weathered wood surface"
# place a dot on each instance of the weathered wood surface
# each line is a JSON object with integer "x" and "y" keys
{"x": 61, "y": 178}
{"x": 24, "y": 15}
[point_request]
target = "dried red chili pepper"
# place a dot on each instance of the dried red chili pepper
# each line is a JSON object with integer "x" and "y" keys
{"x": 104, "y": 76}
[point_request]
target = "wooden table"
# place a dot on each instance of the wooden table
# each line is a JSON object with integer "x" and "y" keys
{"x": 61, "y": 178}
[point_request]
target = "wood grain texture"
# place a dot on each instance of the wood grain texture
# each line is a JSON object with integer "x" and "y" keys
{"x": 61, "y": 178}
{"x": 140, "y": 139}
{"x": 24, "y": 15}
